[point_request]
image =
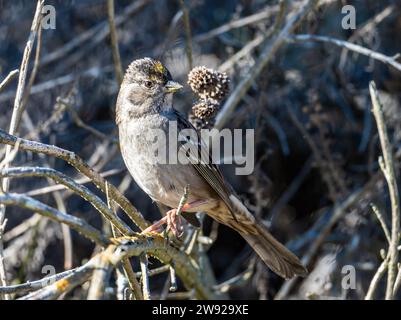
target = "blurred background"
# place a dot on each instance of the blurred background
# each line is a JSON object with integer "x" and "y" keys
{"x": 316, "y": 164}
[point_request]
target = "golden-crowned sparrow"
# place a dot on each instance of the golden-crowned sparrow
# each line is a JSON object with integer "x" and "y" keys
{"x": 144, "y": 108}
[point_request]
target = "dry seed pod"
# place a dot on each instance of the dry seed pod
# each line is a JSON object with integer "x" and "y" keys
{"x": 205, "y": 109}
{"x": 208, "y": 83}
{"x": 201, "y": 123}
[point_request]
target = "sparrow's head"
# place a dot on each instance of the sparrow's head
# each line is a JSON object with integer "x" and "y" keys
{"x": 147, "y": 87}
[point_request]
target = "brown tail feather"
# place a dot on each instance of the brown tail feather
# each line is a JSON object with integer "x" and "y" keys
{"x": 277, "y": 257}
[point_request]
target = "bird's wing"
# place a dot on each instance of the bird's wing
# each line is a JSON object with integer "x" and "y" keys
{"x": 208, "y": 171}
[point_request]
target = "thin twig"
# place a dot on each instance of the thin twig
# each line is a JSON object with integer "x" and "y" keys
{"x": 131, "y": 277}
{"x": 94, "y": 72}
{"x": 36, "y": 285}
{"x": 266, "y": 55}
{"x": 377, "y": 277}
{"x": 123, "y": 292}
{"x": 100, "y": 277}
{"x": 66, "y": 232}
{"x": 15, "y": 120}
{"x": 114, "y": 41}
{"x": 16, "y": 116}
{"x": 145, "y": 276}
{"x": 34, "y": 72}
{"x": 55, "y": 289}
{"x": 22, "y": 228}
{"x": 80, "y": 123}
{"x": 97, "y": 34}
{"x": 59, "y": 187}
{"x": 154, "y": 272}
{"x": 188, "y": 37}
{"x": 391, "y": 61}
{"x": 227, "y": 65}
{"x": 7, "y": 79}
{"x": 173, "y": 280}
{"x": 397, "y": 284}
{"x": 380, "y": 217}
{"x": 75, "y": 223}
{"x": 367, "y": 28}
{"x": 264, "y": 14}
{"x": 183, "y": 200}
{"x": 387, "y": 167}
{"x": 126, "y": 264}
{"x": 82, "y": 167}
{"x": 237, "y": 281}
{"x": 81, "y": 190}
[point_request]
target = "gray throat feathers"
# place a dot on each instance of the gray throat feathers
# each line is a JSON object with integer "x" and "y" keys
{"x": 153, "y": 107}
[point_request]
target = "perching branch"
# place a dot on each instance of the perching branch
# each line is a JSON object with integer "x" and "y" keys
{"x": 82, "y": 167}
{"x": 185, "y": 270}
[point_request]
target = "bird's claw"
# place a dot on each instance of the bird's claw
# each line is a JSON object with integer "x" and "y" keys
{"x": 174, "y": 223}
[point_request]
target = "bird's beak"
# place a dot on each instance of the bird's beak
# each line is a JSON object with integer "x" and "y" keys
{"x": 172, "y": 86}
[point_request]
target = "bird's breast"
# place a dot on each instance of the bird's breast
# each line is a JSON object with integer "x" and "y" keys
{"x": 163, "y": 181}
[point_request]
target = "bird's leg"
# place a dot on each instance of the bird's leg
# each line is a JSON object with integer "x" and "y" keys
{"x": 156, "y": 226}
{"x": 173, "y": 221}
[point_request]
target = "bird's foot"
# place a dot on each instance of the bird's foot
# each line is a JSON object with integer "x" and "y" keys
{"x": 174, "y": 223}
{"x": 173, "y": 220}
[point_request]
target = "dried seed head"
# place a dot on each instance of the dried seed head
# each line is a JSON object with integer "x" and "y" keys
{"x": 208, "y": 83}
{"x": 201, "y": 123}
{"x": 205, "y": 109}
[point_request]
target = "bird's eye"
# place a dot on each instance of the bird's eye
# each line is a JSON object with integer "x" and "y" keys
{"x": 148, "y": 84}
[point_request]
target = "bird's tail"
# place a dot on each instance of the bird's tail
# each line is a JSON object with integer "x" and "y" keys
{"x": 275, "y": 255}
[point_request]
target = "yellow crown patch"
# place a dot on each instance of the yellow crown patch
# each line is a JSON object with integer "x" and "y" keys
{"x": 159, "y": 67}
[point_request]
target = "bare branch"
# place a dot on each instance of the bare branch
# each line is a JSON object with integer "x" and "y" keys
{"x": 75, "y": 223}
{"x": 15, "y": 120}
{"x": 264, "y": 14}
{"x": 145, "y": 276}
{"x": 97, "y": 34}
{"x": 7, "y": 79}
{"x": 188, "y": 36}
{"x": 389, "y": 173}
{"x": 114, "y": 41}
{"x": 380, "y": 217}
{"x": 377, "y": 277}
{"x": 36, "y": 285}
{"x": 82, "y": 167}
{"x": 59, "y": 187}
{"x": 266, "y": 55}
{"x": 81, "y": 190}
{"x": 391, "y": 61}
